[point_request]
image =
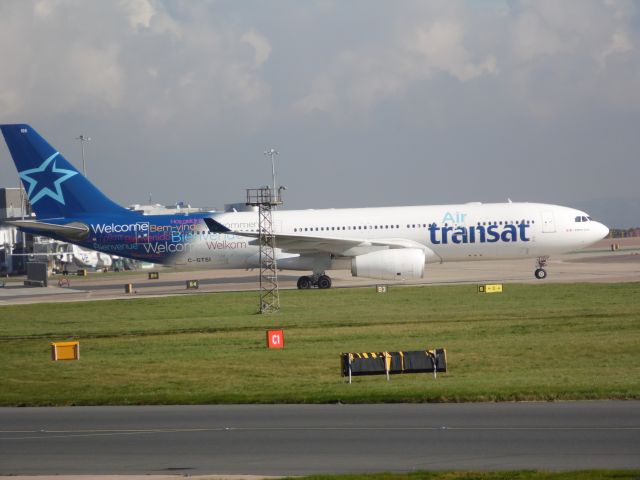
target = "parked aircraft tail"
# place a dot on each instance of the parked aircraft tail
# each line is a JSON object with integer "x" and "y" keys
{"x": 56, "y": 189}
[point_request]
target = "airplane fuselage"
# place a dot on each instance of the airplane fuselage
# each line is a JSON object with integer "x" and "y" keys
{"x": 449, "y": 233}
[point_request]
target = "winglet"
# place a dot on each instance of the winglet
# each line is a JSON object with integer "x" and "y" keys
{"x": 216, "y": 227}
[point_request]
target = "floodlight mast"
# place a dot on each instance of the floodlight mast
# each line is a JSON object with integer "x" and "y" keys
{"x": 264, "y": 199}
{"x": 83, "y": 139}
{"x": 272, "y": 152}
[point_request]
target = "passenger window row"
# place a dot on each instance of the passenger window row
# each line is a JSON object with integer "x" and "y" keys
{"x": 354, "y": 227}
{"x": 409, "y": 225}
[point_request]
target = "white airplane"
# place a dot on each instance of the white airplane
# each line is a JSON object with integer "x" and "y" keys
{"x": 397, "y": 242}
{"x": 77, "y": 257}
{"x": 381, "y": 243}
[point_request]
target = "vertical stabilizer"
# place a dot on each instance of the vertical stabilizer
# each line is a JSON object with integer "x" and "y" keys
{"x": 56, "y": 189}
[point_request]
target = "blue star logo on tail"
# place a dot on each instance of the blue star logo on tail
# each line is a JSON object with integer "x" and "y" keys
{"x": 48, "y": 178}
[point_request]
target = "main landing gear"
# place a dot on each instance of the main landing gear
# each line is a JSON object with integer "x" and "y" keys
{"x": 319, "y": 280}
{"x": 540, "y": 272}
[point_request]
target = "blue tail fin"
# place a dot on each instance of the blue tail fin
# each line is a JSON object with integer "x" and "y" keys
{"x": 55, "y": 188}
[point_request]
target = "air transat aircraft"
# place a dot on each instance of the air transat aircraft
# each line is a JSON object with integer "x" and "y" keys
{"x": 381, "y": 243}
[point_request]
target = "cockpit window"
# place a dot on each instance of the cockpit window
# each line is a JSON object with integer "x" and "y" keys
{"x": 585, "y": 219}
{"x": 578, "y": 219}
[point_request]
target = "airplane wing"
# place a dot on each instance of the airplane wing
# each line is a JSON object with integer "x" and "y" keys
{"x": 346, "y": 247}
{"x": 343, "y": 246}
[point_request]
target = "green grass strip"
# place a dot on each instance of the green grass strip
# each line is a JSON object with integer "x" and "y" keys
{"x": 513, "y": 475}
{"x": 532, "y": 342}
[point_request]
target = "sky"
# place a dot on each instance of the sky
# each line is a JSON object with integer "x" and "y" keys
{"x": 368, "y": 102}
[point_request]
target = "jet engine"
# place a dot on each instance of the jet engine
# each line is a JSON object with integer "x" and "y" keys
{"x": 392, "y": 264}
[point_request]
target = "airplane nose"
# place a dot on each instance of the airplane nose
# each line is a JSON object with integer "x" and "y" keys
{"x": 603, "y": 230}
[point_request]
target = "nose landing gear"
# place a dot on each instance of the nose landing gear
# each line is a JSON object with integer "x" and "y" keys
{"x": 540, "y": 272}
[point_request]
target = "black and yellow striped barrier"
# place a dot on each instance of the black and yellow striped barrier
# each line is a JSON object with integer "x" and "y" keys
{"x": 386, "y": 363}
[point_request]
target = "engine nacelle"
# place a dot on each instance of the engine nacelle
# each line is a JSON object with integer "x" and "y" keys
{"x": 392, "y": 264}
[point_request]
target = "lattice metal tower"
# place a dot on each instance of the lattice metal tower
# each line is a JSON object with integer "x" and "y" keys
{"x": 265, "y": 199}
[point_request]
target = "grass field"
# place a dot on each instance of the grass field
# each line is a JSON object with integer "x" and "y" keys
{"x": 532, "y": 342}
{"x": 515, "y": 475}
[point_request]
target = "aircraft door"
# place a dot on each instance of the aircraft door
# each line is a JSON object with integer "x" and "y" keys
{"x": 548, "y": 222}
{"x": 142, "y": 234}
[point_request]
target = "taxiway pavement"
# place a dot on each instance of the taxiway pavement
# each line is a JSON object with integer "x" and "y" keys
{"x": 309, "y": 439}
{"x": 598, "y": 264}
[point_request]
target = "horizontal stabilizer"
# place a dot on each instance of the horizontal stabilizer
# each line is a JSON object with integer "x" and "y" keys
{"x": 216, "y": 227}
{"x": 72, "y": 231}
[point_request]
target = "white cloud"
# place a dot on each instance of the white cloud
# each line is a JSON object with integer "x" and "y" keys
{"x": 560, "y": 55}
{"x": 44, "y": 8}
{"x": 135, "y": 55}
{"x": 260, "y": 46}
{"x": 10, "y": 103}
{"x": 413, "y": 75}
{"x": 577, "y": 28}
{"x": 321, "y": 99}
{"x": 359, "y": 78}
{"x": 620, "y": 43}
{"x": 180, "y": 56}
{"x": 96, "y": 73}
{"x": 441, "y": 46}
{"x": 138, "y": 12}
{"x": 532, "y": 38}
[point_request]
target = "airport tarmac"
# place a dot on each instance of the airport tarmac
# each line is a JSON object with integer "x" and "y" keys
{"x": 312, "y": 439}
{"x": 598, "y": 264}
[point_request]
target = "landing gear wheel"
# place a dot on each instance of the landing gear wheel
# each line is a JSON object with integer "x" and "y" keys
{"x": 324, "y": 281}
{"x": 541, "y": 273}
{"x": 304, "y": 283}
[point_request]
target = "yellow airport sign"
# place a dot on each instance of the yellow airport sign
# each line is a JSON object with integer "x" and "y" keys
{"x": 490, "y": 288}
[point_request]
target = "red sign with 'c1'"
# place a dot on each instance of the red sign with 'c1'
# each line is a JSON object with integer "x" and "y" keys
{"x": 275, "y": 338}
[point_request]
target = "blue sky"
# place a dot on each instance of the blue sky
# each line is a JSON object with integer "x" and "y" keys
{"x": 369, "y": 103}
